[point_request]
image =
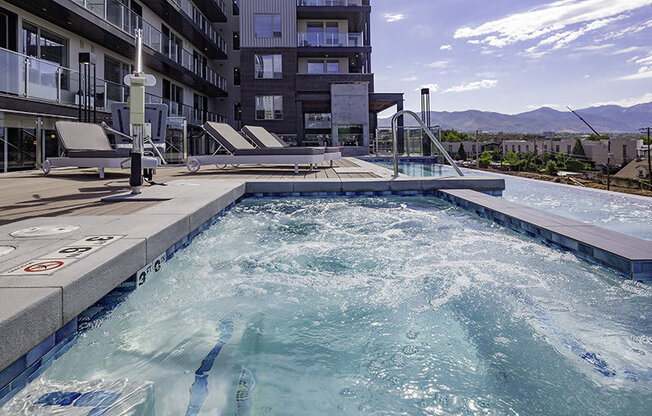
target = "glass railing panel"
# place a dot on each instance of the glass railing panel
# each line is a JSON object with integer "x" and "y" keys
{"x": 12, "y": 73}
{"x": 42, "y": 80}
{"x": 96, "y": 7}
{"x": 115, "y": 12}
{"x": 69, "y": 90}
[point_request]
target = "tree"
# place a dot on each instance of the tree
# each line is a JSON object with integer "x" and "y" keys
{"x": 578, "y": 149}
{"x": 511, "y": 158}
{"x": 485, "y": 159}
{"x": 461, "y": 153}
{"x": 551, "y": 168}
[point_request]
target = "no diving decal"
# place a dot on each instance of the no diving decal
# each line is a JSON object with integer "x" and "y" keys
{"x": 57, "y": 260}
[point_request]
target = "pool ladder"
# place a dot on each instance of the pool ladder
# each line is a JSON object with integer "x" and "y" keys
{"x": 428, "y": 133}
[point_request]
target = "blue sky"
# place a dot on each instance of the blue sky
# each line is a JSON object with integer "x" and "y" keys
{"x": 513, "y": 56}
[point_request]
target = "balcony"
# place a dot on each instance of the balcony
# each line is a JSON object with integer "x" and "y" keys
{"x": 322, "y": 82}
{"x": 215, "y": 10}
{"x": 188, "y": 21}
{"x": 331, "y": 3}
{"x": 330, "y": 40}
{"x": 356, "y": 11}
{"x": 30, "y": 78}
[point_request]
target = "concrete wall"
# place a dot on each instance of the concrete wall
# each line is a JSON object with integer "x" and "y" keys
{"x": 350, "y": 105}
{"x": 288, "y": 11}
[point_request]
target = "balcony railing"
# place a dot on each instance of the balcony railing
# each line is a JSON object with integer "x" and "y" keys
{"x": 123, "y": 18}
{"x": 29, "y": 77}
{"x": 329, "y": 3}
{"x": 193, "y": 12}
{"x": 331, "y": 40}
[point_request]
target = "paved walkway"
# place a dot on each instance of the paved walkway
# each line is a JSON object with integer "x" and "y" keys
{"x": 74, "y": 192}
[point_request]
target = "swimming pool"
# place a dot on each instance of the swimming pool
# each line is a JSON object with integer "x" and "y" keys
{"x": 619, "y": 212}
{"x": 374, "y": 306}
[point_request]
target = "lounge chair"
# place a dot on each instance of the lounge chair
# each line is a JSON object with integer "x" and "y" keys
{"x": 266, "y": 140}
{"x": 241, "y": 152}
{"x": 88, "y": 146}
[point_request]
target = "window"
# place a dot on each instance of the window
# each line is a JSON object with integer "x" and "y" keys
{"x": 237, "y": 111}
{"x": 268, "y": 25}
{"x": 236, "y": 7}
{"x": 44, "y": 45}
{"x": 318, "y": 120}
{"x": 318, "y": 66}
{"x": 236, "y": 41}
{"x": 114, "y": 73}
{"x": 236, "y": 76}
{"x": 350, "y": 134}
{"x": 557, "y": 148}
{"x": 269, "y": 66}
{"x": 624, "y": 151}
{"x": 269, "y": 107}
{"x": 323, "y": 34}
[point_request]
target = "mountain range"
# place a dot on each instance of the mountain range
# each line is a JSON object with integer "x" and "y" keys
{"x": 605, "y": 119}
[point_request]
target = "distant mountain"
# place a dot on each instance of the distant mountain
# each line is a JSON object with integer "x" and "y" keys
{"x": 605, "y": 119}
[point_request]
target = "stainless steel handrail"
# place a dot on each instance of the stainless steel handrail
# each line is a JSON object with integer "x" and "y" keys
{"x": 428, "y": 133}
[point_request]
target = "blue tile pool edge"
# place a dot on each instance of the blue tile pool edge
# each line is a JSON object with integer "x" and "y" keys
{"x": 31, "y": 365}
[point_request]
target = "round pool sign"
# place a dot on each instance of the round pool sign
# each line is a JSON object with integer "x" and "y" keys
{"x": 44, "y": 231}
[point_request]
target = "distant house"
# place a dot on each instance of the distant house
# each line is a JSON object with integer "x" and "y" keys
{"x": 636, "y": 169}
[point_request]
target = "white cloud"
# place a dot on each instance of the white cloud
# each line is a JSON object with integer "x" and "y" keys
{"x": 550, "y": 21}
{"x": 446, "y": 47}
{"x": 627, "y": 102}
{"x": 393, "y": 17}
{"x": 439, "y": 64}
{"x": 432, "y": 87}
{"x": 594, "y": 47}
{"x": 485, "y": 83}
{"x": 409, "y": 79}
{"x": 628, "y": 31}
{"x": 644, "y": 71}
{"x": 628, "y": 50}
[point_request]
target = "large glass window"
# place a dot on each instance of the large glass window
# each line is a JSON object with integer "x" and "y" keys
{"x": 319, "y": 66}
{"x": 268, "y": 25}
{"x": 42, "y": 44}
{"x": 318, "y": 120}
{"x": 269, "y": 66}
{"x": 269, "y": 107}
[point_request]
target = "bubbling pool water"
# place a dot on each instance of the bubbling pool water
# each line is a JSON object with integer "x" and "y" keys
{"x": 377, "y": 306}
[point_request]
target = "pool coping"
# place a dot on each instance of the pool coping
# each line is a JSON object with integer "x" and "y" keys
{"x": 41, "y": 316}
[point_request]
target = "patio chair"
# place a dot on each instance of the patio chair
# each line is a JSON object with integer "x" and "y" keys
{"x": 266, "y": 140}
{"x": 87, "y": 146}
{"x": 241, "y": 152}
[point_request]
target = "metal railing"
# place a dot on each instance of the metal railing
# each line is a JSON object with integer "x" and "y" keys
{"x": 329, "y": 2}
{"x": 330, "y": 39}
{"x": 428, "y": 133}
{"x": 123, "y": 18}
{"x": 29, "y": 77}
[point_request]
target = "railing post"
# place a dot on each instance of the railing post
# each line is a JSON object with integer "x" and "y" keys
{"x": 59, "y": 84}
{"x": 26, "y": 77}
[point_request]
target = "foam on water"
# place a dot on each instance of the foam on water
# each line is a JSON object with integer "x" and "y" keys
{"x": 618, "y": 212}
{"x": 377, "y": 306}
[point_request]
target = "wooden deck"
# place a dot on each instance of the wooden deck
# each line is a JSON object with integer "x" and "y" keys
{"x": 25, "y": 195}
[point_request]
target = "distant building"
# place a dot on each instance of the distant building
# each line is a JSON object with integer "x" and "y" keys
{"x": 549, "y": 134}
{"x": 636, "y": 169}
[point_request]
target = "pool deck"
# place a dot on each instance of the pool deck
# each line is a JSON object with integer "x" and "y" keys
{"x": 49, "y": 282}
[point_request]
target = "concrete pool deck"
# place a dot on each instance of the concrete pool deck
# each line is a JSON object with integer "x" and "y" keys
{"x": 48, "y": 281}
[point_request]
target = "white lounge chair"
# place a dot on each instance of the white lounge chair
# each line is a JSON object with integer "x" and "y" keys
{"x": 266, "y": 140}
{"x": 241, "y": 152}
{"x": 88, "y": 146}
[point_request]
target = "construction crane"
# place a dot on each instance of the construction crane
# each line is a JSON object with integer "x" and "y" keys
{"x": 609, "y": 155}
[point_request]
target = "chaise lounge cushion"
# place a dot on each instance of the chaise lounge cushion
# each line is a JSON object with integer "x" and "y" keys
{"x": 289, "y": 151}
{"x": 265, "y": 139}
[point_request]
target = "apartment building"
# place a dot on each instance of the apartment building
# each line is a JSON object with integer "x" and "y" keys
{"x": 185, "y": 48}
{"x": 301, "y": 68}
{"x": 306, "y": 71}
